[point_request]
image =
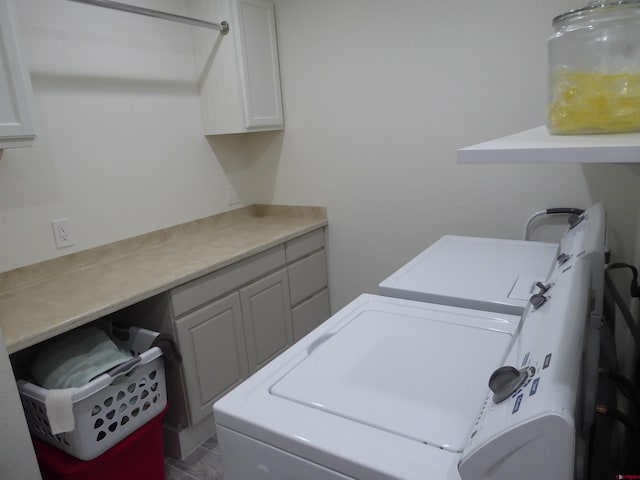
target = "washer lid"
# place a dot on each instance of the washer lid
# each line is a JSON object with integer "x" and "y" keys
{"x": 489, "y": 274}
{"x": 416, "y": 372}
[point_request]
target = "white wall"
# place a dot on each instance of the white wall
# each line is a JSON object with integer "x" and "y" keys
{"x": 378, "y": 97}
{"x": 17, "y": 459}
{"x": 120, "y": 146}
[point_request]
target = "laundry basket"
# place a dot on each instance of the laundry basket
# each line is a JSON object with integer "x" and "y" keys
{"x": 111, "y": 406}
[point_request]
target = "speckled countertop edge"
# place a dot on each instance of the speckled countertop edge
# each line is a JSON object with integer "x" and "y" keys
{"x": 41, "y": 301}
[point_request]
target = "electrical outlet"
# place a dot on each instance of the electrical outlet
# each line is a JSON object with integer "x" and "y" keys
{"x": 62, "y": 232}
{"x": 232, "y": 195}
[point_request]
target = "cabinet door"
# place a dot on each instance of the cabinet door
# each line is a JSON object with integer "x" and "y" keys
{"x": 212, "y": 344}
{"x": 260, "y": 74}
{"x": 266, "y": 314}
{"x": 16, "y": 127}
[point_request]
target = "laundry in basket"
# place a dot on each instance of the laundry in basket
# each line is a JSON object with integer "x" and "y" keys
{"x": 110, "y": 406}
{"x": 75, "y": 359}
{"x": 71, "y": 362}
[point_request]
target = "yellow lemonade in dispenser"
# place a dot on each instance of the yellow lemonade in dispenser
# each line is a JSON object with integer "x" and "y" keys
{"x": 594, "y": 69}
{"x": 595, "y": 102}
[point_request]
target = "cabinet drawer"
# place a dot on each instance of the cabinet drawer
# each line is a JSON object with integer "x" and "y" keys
{"x": 202, "y": 290}
{"x": 304, "y": 245}
{"x": 310, "y": 313}
{"x": 307, "y": 276}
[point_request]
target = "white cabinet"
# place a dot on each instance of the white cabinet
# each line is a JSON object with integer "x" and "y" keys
{"x": 308, "y": 282}
{"x": 213, "y": 351}
{"x": 238, "y": 73}
{"x": 16, "y": 125}
{"x": 230, "y": 323}
{"x": 266, "y": 315}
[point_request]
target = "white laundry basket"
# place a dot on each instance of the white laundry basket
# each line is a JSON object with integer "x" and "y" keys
{"x": 109, "y": 407}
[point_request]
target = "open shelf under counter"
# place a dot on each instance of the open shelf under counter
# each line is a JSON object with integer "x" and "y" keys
{"x": 538, "y": 146}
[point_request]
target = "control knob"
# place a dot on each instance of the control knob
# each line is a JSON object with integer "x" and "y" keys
{"x": 563, "y": 258}
{"x": 537, "y": 300}
{"x": 506, "y": 380}
{"x": 575, "y": 220}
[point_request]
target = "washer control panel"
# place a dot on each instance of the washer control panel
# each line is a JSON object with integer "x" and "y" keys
{"x": 532, "y": 398}
{"x": 529, "y": 410}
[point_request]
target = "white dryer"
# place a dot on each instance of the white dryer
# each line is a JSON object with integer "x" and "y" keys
{"x": 392, "y": 388}
{"x": 490, "y": 274}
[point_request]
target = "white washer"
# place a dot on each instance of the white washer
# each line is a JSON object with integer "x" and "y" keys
{"x": 474, "y": 272}
{"x": 392, "y": 388}
{"x": 380, "y": 390}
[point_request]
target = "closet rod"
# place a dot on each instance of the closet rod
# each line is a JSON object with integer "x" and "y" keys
{"x": 222, "y": 27}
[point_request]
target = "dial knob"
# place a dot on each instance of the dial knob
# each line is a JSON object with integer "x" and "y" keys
{"x": 575, "y": 220}
{"x": 563, "y": 258}
{"x": 506, "y": 380}
{"x": 537, "y": 300}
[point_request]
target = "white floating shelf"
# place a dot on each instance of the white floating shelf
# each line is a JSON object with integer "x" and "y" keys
{"x": 537, "y": 146}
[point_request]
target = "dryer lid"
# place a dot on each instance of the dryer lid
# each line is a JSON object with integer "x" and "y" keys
{"x": 418, "y": 373}
{"x": 481, "y": 273}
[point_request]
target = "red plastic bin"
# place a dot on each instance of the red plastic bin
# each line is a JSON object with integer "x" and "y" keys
{"x": 138, "y": 456}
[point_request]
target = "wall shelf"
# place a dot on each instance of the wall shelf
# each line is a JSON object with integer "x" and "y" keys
{"x": 538, "y": 146}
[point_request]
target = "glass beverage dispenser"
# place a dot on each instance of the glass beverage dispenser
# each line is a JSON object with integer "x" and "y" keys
{"x": 594, "y": 69}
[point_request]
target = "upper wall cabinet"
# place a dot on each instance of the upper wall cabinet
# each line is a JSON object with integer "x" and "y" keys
{"x": 16, "y": 125}
{"x": 238, "y": 73}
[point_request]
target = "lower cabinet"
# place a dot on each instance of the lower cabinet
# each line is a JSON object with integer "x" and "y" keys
{"x": 230, "y": 323}
{"x": 308, "y": 280}
{"x": 214, "y": 356}
{"x": 225, "y": 341}
{"x": 228, "y": 339}
{"x": 266, "y": 315}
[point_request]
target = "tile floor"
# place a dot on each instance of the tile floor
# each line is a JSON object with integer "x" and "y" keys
{"x": 203, "y": 464}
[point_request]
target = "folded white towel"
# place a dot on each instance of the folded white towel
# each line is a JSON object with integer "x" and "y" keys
{"x": 59, "y": 406}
